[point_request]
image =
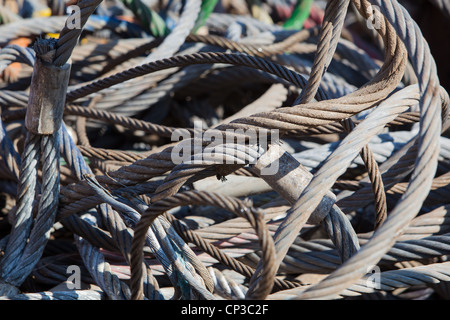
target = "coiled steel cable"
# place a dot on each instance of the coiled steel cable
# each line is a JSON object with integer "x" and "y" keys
{"x": 69, "y": 35}
{"x": 403, "y": 211}
{"x": 384, "y": 108}
{"x": 260, "y": 290}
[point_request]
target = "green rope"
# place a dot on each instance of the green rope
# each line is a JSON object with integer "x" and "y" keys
{"x": 299, "y": 15}
{"x": 205, "y": 10}
{"x": 150, "y": 20}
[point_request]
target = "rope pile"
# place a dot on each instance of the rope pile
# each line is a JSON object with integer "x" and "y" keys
{"x": 342, "y": 98}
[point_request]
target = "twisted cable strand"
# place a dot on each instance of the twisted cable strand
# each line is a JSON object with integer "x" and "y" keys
{"x": 123, "y": 238}
{"x": 23, "y": 218}
{"x": 48, "y": 206}
{"x": 235, "y": 205}
{"x": 236, "y": 231}
{"x": 375, "y": 178}
{"x": 92, "y": 257}
{"x": 37, "y": 26}
{"x": 14, "y": 53}
{"x": 254, "y": 50}
{"x": 225, "y": 286}
{"x": 282, "y": 250}
{"x": 69, "y": 35}
{"x": 172, "y": 43}
{"x": 193, "y": 270}
{"x": 186, "y": 60}
{"x": 333, "y": 23}
{"x": 425, "y": 164}
{"x": 100, "y": 270}
{"x": 159, "y": 163}
{"x": 388, "y": 281}
{"x": 227, "y": 260}
{"x": 168, "y": 47}
{"x": 327, "y": 174}
{"x": 176, "y": 270}
{"x": 341, "y": 232}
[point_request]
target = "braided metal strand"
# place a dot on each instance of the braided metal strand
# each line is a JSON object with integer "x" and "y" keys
{"x": 253, "y": 50}
{"x": 187, "y": 60}
{"x": 128, "y": 122}
{"x": 59, "y": 295}
{"x": 159, "y": 163}
{"x": 37, "y": 26}
{"x": 335, "y": 12}
{"x": 92, "y": 257}
{"x": 341, "y": 232}
{"x": 227, "y": 260}
{"x": 123, "y": 237}
{"x": 330, "y": 33}
{"x": 388, "y": 281}
{"x": 375, "y": 178}
{"x": 327, "y": 174}
{"x": 15, "y": 53}
{"x": 425, "y": 165}
{"x": 159, "y": 243}
{"x": 100, "y": 270}
{"x": 226, "y": 287}
{"x": 23, "y": 217}
{"x": 235, "y": 205}
{"x": 69, "y": 35}
{"x": 48, "y": 206}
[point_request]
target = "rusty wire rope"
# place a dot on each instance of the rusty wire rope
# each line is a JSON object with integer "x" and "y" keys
{"x": 359, "y": 124}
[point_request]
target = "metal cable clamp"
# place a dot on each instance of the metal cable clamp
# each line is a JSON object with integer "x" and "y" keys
{"x": 47, "y": 91}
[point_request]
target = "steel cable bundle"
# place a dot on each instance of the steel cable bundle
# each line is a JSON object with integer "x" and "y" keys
{"x": 151, "y": 182}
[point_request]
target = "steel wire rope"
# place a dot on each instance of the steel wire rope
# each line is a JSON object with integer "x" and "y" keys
{"x": 59, "y": 295}
{"x": 330, "y": 33}
{"x": 335, "y": 12}
{"x": 257, "y": 290}
{"x": 336, "y": 224}
{"x": 168, "y": 166}
{"x": 37, "y": 26}
{"x": 332, "y": 25}
{"x": 236, "y": 231}
{"x": 8, "y": 153}
{"x": 388, "y": 280}
{"x": 69, "y": 35}
{"x": 182, "y": 61}
{"x": 109, "y": 282}
{"x": 23, "y": 216}
{"x": 285, "y": 235}
{"x": 179, "y": 272}
{"x": 14, "y": 53}
{"x": 194, "y": 237}
{"x": 422, "y": 175}
{"x": 161, "y": 162}
{"x": 52, "y": 53}
{"x": 166, "y": 48}
{"x": 171, "y": 185}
